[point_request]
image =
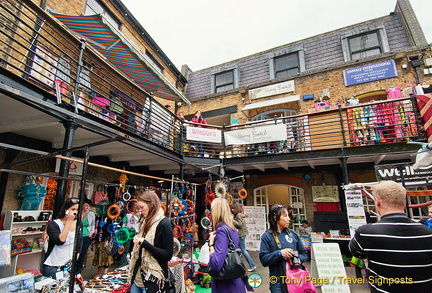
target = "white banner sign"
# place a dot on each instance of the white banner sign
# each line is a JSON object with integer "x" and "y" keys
{"x": 203, "y": 134}
{"x": 272, "y": 90}
{"x": 256, "y": 134}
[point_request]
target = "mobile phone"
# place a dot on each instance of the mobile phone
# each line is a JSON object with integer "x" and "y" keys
{"x": 70, "y": 213}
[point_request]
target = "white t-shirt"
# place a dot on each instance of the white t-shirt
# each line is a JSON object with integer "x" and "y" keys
{"x": 61, "y": 254}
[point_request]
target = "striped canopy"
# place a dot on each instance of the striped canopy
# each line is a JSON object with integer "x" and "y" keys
{"x": 111, "y": 43}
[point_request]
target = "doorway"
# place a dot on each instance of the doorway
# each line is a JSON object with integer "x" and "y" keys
{"x": 288, "y": 195}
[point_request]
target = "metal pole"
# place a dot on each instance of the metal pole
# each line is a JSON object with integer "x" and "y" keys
{"x": 78, "y": 231}
{"x": 78, "y": 73}
{"x": 401, "y": 169}
{"x": 70, "y": 126}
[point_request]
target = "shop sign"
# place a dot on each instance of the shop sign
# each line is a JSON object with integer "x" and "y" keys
{"x": 75, "y": 168}
{"x": 325, "y": 193}
{"x": 258, "y": 134}
{"x": 327, "y": 268}
{"x": 272, "y": 90}
{"x": 203, "y": 134}
{"x": 396, "y": 172}
{"x": 371, "y": 72}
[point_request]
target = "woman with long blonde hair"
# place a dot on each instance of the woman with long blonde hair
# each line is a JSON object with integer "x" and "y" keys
{"x": 219, "y": 245}
{"x": 153, "y": 246}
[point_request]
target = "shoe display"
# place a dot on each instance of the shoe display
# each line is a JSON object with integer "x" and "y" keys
{"x": 252, "y": 269}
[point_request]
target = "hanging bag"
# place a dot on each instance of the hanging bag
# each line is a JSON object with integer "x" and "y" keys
{"x": 233, "y": 266}
{"x": 302, "y": 282}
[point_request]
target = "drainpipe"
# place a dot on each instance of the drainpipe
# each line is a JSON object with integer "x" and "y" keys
{"x": 416, "y": 63}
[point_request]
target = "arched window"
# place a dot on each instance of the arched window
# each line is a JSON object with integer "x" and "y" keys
{"x": 272, "y": 113}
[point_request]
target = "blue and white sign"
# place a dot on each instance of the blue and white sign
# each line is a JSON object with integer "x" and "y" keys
{"x": 371, "y": 72}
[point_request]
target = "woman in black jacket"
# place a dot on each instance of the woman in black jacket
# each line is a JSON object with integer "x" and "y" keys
{"x": 153, "y": 246}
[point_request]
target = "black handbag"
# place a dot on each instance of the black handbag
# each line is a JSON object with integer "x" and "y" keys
{"x": 233, "y": 266}
{"x": 170, "y": 283}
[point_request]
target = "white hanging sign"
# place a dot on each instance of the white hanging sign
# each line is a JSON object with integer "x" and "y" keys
{"x": 203, "y": 134}
{"x": 256, "y": 134}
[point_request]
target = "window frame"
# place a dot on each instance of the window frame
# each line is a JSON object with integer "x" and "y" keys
{"x": 270, "y": 114}
{"x": 236, "y": 78}
{"x": 365, "y": 50}
{"x": 90, "y": 10}
{"x": 380, "y": 31}
{"x": 288, "y": 68}
{"x": 299, "y": 50}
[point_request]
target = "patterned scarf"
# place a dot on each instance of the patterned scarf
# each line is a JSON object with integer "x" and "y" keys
{"x": 148, "y": 263}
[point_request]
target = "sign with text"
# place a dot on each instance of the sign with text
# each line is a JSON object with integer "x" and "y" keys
{"x": 256, "y": 134}
{"x": 74, "y": 167}
{"x": 371, "y": 72}
{"x": 203, "y": 134}
{"x": 328, "y": 270}
{"x": 395, "y": 172}
{"x": 325, "y": 193}
{"x": 272, "y": 90}
{"x": 355, "y": 209}
{"x": 255, "y": 220}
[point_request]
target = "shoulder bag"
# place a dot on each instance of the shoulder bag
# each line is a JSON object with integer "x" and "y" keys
{"x": 233, "y": 266}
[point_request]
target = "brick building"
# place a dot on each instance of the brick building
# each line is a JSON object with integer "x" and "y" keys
{"x": 292, "y": 80}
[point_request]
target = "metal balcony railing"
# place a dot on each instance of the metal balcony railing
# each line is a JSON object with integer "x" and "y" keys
{"x": 38, "y": 48}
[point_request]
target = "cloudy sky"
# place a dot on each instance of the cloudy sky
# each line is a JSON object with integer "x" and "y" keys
{"x": 203, "y": 33}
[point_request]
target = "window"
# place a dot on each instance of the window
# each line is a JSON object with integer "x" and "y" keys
{"x": 95, "y": 7}
{"x": 365, "y": 42}
{"x": 286, "y": 65}
{"x": 224, "y": 81}
{"x": 365, "y": 45}
{"x": 154, "y": 62}
{"x": 225, "y": 78}
{"x": 272, "y": 113}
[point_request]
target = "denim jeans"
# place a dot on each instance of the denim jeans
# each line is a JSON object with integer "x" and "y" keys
{"x": 136, "y": 289}
{"x": 242, "y": 245}
{"x": 80, "y": 263}
{"x": 49, "y": 271}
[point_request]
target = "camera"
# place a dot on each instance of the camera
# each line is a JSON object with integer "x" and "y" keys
{"x": 296, "y": 263}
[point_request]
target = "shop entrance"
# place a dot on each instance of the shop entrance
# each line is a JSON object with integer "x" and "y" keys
{"x": 288, "y": 195}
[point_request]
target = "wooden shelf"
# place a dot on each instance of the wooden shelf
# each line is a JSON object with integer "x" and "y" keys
{"x": 30, "y": 252}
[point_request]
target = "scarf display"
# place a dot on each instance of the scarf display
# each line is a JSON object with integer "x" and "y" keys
{"x": 148, "y": 263}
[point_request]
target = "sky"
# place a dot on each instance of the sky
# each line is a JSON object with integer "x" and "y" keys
{"x": 203, "y": 33}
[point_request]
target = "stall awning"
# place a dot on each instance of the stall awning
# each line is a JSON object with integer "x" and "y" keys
{"x": 112, "y": 44}
{"x": 263, "y": 104}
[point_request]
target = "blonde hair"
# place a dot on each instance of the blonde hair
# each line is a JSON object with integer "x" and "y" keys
{"x": 391, "y": 194}
{"x": 152, "y": 200}
{"x": 221, "y": 212}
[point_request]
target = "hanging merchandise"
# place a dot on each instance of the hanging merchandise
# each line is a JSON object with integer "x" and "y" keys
{"x": 220, "y": 189}
{"x": 114, "y": 211}
{"x": 122, "y": 179}
{"x": 242, "y": 193}
{"x": 32, "y": 193}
